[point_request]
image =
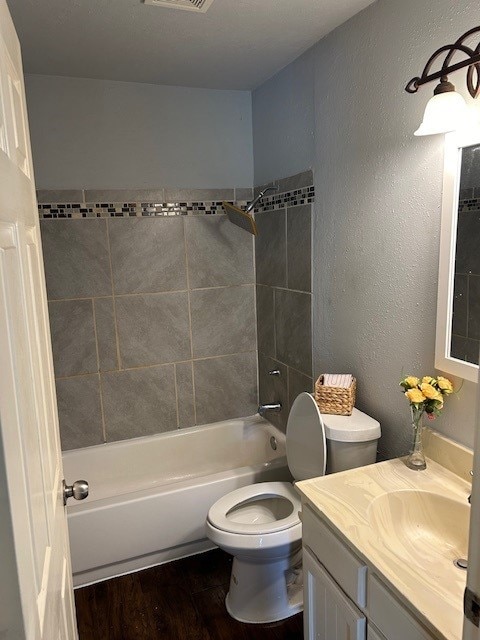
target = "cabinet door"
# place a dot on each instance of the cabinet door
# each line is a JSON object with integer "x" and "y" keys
{"x": 328, "y": 613}
{"x": 373, "y": 634}
{"x": 390, "y": 617}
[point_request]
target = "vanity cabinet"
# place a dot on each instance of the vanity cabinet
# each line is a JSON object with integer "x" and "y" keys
{"x": 374, "y": 634}
{"x": 343, "y": 600}
{"x": 328, "y": 613}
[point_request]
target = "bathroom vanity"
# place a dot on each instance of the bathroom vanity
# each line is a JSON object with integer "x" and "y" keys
{"x": 379, "y": 545}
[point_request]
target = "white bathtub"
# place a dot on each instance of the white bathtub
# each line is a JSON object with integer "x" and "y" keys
{"x": 149, "y": 496}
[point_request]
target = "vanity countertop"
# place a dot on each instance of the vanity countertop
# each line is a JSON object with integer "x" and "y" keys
{"x": 387, "y": 515}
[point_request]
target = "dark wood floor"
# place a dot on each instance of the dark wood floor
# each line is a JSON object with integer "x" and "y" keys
{"x": 182, "y": 600}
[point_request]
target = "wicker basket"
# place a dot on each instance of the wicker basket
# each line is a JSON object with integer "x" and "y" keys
{"x": 336, "y": 400}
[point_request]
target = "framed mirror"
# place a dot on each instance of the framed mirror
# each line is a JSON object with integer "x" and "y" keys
{"x": 458, "y": 309}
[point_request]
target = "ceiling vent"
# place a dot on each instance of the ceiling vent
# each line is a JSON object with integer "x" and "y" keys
{"x": 188, "y": 5}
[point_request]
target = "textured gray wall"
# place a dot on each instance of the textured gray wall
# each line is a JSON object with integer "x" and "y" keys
{"x": 378, "y": 208}
{"x": 378, "y": 199}
{"x": 284, "y": 122}
{"x": 101, "y": 134}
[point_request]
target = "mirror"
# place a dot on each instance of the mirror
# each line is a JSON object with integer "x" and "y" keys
{"x": 458, "y": 312}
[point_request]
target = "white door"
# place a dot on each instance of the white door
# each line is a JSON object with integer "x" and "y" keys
{"x": 30, "y": 458}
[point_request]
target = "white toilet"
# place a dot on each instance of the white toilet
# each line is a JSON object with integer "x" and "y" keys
{"x": 260, "y": 525}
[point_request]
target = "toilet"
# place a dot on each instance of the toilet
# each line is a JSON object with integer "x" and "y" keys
{"x": 259, "y": 525}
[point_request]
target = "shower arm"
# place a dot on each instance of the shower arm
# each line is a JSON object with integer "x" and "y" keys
{"x": 251, "y": 206}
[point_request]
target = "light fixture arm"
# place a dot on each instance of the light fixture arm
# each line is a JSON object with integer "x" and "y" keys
{"x": 472, "y": 62}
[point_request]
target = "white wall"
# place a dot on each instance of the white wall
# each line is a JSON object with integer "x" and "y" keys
{"x": 378, "y": 196}
{"x": 104, "y": 134}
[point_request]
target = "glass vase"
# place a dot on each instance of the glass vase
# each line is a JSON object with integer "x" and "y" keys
{"x": 416, "y": 459}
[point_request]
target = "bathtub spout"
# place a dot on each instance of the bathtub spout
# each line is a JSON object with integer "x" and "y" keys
{"x": 275, "y": 407}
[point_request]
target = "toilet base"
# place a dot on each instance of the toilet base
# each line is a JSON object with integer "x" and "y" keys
{"x": 267, "y": 591}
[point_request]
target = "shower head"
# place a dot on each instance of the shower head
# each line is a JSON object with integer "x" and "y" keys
{"x": 244, "y": 219}
{"x": 241, "y": 218}
{"x": 259, "y": 197}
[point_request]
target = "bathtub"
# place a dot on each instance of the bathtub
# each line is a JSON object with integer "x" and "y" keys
{"x": 149, "y": 496}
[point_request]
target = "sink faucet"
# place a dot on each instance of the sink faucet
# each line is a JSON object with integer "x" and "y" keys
{"x": 274, "y": 406}
{"x": 470, "y": 496}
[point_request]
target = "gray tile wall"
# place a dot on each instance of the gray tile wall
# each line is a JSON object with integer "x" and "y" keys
{"x": 152, "y": 322}
{"x": 283, "y": 259}
{"x": 155, "y": 320}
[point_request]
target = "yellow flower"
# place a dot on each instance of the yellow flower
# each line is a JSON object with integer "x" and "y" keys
{"x": 445, "y": 385}
{"x": 428, "y": 379}
{"x": 415, "y": 396}
{"x": 430, "y": 392}
{"x": 411, "y": 381}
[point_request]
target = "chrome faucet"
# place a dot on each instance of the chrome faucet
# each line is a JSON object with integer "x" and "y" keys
{"x": 274, "y": 406}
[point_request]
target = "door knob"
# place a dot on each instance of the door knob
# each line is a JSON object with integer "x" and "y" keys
{"x": 77, "y": 490}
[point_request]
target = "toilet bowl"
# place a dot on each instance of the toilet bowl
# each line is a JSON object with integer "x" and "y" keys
{"x": 260, "y": 524}
{"x": 257, "y": 520}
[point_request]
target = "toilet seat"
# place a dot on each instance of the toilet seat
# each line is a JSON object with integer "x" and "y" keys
{"x": 218, "y": 516}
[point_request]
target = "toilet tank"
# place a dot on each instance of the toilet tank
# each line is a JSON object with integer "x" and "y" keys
{"x": 351, "y": 440}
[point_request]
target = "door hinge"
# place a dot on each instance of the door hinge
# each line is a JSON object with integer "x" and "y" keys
{"x": 471, "y": 607}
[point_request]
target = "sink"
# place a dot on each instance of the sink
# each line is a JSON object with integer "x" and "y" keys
{"x": 408, "y": 527}
{"x": 421, "y": 525}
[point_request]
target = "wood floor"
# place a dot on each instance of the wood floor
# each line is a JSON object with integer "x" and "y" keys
{"x": 182, "y": 600}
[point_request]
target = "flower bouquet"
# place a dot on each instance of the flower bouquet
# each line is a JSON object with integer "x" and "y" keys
{"x": 426, "y": 396}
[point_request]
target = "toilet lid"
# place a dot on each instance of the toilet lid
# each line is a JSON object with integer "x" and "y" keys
{"x": 266, "y": 507}
{"x": 305, "y": 443}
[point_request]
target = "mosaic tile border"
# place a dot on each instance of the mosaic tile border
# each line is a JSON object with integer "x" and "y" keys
{"x": 79, "y": 210}
{"x": 276, "y": 201}
{"x": 470, "y": 204}
{"x": 52, "y": 211}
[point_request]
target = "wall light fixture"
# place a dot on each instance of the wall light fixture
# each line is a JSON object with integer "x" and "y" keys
{"x": 447, "y": 110}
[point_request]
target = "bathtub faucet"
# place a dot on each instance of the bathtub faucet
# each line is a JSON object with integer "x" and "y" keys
{"x": 275, "y": 406}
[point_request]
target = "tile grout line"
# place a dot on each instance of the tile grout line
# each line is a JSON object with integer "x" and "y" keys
{"x": 157, "y": 293}
{"x": 95, "y": 333}
{"x": 77, "y": 299}
{"x": 286, "y": 248}
{"x": 274, "y": 286}
{"x": 468, "y": 309}
{"x": 274, "y": 322}
{"x": 160, "y": 364}
{"x": 254, "y": 258}
{"x": 102, "y": 413}
{"x": 176, "y": 393}
{"x": 117, "y": 340}
{"x": 185, "y": 245}
{"x": 100, "y": 389}
{"x": 287, "y": 388}
{"x": 312, "y": 299}
{"x": 102, "y": 408}
{"x": 302, "y": 373}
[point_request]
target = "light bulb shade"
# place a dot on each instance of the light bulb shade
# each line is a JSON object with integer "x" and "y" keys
{"x": 444, "y": 112}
